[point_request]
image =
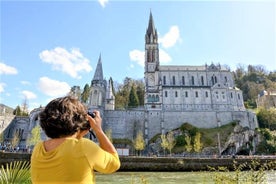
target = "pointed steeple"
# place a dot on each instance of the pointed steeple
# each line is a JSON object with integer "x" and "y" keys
{"x": 151, "y": 35}
{"x": 98, "y": 75}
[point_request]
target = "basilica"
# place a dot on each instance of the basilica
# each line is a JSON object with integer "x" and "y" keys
{"x": 204, "y": 96}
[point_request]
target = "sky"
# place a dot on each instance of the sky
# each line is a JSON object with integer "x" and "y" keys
{"x": 46, "y": 47}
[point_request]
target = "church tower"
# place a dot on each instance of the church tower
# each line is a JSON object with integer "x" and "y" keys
{"x": 151, "y": 75}
{"x": 97, "y": 88}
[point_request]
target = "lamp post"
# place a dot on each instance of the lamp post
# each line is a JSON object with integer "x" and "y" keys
{"x": 219, "y": 146}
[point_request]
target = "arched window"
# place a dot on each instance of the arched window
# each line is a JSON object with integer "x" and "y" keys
{"x": 186, "y": 93}
{"x": 173, "y": 80}
{"x": 202, "y": 80}
{"x": 193, "y": 80}
{"x": 166, "y": 93}
{"x": 176, "y": 94}
{"x": 157, "y": 98}
{"x": 206, "y": 94}
{"x": 164, "y": 80}
{"x": 196, "y": 94}
{"x": 183, "y": 80}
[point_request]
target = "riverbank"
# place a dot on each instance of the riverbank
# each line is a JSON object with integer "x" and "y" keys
{"x": 165, "y": 163}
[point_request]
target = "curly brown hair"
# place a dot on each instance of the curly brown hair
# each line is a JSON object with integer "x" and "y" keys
{"x": 63, "y": 117}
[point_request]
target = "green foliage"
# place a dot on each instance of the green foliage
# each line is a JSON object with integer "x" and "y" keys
{"x": 85, "y": 93}
{"x": 15, "y": 172}
{"x": 255, "y": 173}
{"x": 267, "y": 118}
{"x": 122, "y": 141}
{"x": 268, "y": 143}
{"x": 124, "y": 96}
{"x": 252, "y": 81}
{"x": 133, "y": 98}
{"x": 35, "y": 136}
{"x": 180, "y": 140}
{"x": 19, "y": 112}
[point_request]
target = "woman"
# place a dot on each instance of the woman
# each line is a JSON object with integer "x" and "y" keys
{"x": 67, "y": 157}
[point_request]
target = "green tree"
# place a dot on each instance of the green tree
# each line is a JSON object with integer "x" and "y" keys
{"x": 17, "y": 111}
{"x": 35, "y": 136}
{"x": 140, "y": 90}
{"x": 188, "y": 147}
{"x": 139, "y": 143}
{"x": 267, "y": 118}
{"x": 85, "y": 93}
{"x": 133, "y": 98}
{"x": 197, "y": 142}
{"x": 171, "y": 141}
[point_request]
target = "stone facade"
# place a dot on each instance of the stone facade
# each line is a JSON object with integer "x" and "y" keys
{"x": 204, "y": 96}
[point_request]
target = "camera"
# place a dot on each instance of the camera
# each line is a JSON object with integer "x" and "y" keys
{"x": 86, "y": 126}
{"x": 92, "y": 114}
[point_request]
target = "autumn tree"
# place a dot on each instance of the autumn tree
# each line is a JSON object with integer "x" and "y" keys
{"x": 164, "y": 143}
{"x": 197, "y": 142}
{"x": 139, "y": 142}
{"x": 188, "y": 147}
{"x": 171, "y": 141}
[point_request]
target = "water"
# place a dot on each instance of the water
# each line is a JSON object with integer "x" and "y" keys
{"x": 165, "y": 178}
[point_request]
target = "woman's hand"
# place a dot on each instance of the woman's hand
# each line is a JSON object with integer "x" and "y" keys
{"x": 96, "y": 122}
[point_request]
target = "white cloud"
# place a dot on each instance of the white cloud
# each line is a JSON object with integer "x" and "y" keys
{"x": 25, "y": 83}
{"x": 164, "y": 57}
{"x": 137, "y": 56}
{"x": 103, "y": 2}
{"x": 170, "y": 38}
{"x": 52, "y": 87}
{"x": 70, "y": 63}
{"x": 5, "y": 69}
{"x": 2, "y": 87}
{"x": 28, "y": 95}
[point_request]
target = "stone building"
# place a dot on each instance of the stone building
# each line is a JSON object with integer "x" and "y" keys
{"x": 204, "y": 96}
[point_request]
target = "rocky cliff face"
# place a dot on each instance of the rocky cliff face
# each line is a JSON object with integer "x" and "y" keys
{"x": 242, "y": 141}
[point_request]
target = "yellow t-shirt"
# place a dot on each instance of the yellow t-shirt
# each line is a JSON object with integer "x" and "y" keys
{"x": 72, "y": 162}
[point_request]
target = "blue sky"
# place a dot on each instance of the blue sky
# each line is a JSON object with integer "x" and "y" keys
{"x": 49, "y": 46}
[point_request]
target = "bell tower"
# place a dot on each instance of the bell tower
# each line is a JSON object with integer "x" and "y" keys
{"x": 151, "y": 75}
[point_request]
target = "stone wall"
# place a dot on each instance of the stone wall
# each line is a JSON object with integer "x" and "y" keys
{"x": 160, "y": 163}
{"x": 126, "y": 124}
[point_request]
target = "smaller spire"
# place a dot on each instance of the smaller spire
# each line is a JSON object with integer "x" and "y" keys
{"x": 98, "y": 76}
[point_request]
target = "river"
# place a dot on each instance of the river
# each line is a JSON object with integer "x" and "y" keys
{"x": 168, "y": 178}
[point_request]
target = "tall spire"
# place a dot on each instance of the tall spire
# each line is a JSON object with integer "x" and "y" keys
{"x": 98, "y": 76}
{"x": 151, "y": 35}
